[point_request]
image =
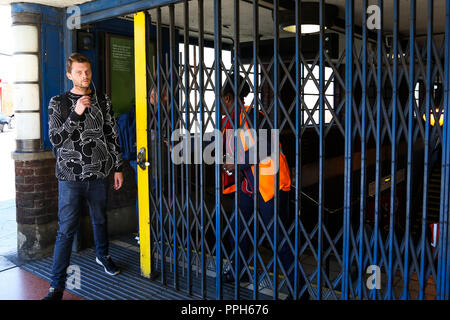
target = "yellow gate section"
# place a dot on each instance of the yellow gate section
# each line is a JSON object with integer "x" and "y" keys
{"x": 141, "y": 139}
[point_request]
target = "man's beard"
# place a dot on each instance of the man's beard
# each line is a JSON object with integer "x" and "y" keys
{"x": 84, "y": 85}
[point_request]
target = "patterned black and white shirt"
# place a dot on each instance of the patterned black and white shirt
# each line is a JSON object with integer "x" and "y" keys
{"x": 86, "y": 147}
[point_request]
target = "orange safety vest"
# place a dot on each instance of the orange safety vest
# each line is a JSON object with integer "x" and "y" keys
{"x": 227, "y": 181}
{"x": 266, "y": 169}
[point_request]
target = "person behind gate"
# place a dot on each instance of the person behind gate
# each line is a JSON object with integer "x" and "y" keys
{"x": 267, "y": 173}
{"x": 83, "y": 132}
{"x": 127, "y": 137}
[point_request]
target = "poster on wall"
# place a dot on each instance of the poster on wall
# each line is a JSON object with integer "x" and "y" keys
{"x": 120, "y": 72}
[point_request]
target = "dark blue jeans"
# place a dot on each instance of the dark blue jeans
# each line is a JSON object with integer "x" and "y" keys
{"x": 70, "y": 199}
{"x": 266, "y": 210}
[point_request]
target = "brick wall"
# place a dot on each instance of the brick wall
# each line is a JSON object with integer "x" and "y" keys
{"x": 36, "y": 191}
{"x": 36, "y": 204}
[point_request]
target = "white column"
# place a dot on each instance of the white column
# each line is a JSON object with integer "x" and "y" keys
{"x": 26, "y": 87}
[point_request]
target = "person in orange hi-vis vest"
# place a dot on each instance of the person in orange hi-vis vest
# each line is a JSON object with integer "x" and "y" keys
{"x": 247, "y": 138}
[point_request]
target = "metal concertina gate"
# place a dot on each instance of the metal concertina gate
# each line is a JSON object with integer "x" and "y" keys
{"x": 379, "y": 242}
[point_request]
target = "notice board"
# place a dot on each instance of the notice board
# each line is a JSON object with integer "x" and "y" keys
{"x": 120, "y": 72}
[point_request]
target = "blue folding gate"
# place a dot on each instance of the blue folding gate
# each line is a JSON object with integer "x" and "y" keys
{"x": 364, "y": 128}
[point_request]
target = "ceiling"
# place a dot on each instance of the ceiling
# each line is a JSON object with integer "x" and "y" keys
{"x": 266, "y": 20}
{"x": 265, "y": 15}
{"x": 388, "y": 11}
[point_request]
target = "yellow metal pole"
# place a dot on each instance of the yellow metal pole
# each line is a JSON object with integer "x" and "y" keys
{"x": 141, "y": 140}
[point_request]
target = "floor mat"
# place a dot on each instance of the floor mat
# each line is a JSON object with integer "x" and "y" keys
{"x": 95, "y": 284}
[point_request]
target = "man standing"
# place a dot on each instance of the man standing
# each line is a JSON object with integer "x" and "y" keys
{"x": 83, "y": 132}
{"x": 266, "y": 185}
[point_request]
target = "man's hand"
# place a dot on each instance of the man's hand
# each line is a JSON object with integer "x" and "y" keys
{"x": 229, "y": 167}
{"x": 229, "y": 163}
{"x": 168, "y": 145}
{"x": 82, "y": 103}
{"x": 118, "y": 180}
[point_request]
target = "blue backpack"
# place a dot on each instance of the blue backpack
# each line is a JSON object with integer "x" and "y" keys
{"x": 126, "y": 124}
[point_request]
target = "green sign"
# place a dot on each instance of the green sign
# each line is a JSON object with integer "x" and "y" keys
{"x": 121, "y": 72}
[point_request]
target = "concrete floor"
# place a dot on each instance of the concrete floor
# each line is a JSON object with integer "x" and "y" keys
{"x": 18, "y": 284}
{"x": 7, "y": 172}
{"x": 8, "y": 225}
{"x": 8, "y": 231}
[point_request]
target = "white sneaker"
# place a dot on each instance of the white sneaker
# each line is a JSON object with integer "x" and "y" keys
{"x": 108, "y": 264}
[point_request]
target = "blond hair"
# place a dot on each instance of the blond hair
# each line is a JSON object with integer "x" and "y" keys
{"x": 76, "y": 57}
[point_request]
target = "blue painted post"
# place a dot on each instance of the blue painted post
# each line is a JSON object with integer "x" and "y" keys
{"x": 321, "y": 152}
{"x": 393, "y": 154}
{"x": 445, "y": 212}
{"x": 348, "y": 143}
{"x": 426, "y": 169}
{"x": 446, "y": 246}
{"x": 158, "y": 90}
{"x": 363, "y": 195}
{"x": 218, "y": 122}
{"x": 201, "y": 87}
{"x": 187, "y": 131}
{"x": 298, "y": 117}
{"x": 276, "y": 92}
{"x": 442, "y": 285}
{"x": 409, "y": 175}
{"x": 51, "y": 59}
{"x": 255, "y": 121}
{"x": 68, "y": 47}
{"x": 237, "y": 109}
{"x": 173, "y": 55}
{"x": 380, "y": 40}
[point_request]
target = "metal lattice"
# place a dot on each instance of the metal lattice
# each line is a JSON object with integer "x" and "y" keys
{"x": 377, "y": 130}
